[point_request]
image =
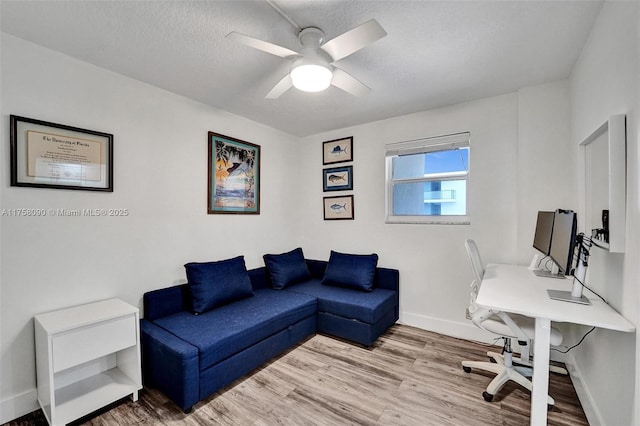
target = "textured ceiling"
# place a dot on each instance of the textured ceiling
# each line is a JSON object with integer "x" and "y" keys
{"x": 436, "y": 53}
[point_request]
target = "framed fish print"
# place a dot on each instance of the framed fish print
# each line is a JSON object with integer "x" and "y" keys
{"x": 234, "y": 176}
{"x": 337, "y": 151}
{"x": 338, "y": 208}
{"x": 337, "y": 179}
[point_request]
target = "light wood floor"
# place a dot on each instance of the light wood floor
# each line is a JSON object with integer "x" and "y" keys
{"x": 409, "y": 377}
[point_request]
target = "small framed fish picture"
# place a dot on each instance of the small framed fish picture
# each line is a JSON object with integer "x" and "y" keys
{"x": 337, "y": 179}
{"x": 338, "y": 208}
{"x": 337, "y": 151}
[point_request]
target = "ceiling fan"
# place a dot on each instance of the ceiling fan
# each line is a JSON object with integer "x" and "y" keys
{"x": 313, "y": 68}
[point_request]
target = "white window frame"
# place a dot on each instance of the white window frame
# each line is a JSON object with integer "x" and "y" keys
{"x": 422, "y": 146}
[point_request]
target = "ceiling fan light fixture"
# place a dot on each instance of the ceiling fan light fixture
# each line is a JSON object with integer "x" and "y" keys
{"x": 311, "y": 77}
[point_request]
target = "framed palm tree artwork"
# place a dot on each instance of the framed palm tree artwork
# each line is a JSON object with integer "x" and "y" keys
{"x": 234, "y": 176}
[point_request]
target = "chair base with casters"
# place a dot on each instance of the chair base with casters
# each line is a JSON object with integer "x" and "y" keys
{"x": 502, "y": 366}
{"x": 506, "y": 368}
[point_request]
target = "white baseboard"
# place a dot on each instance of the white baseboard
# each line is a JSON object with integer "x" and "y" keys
{"x": 18, "y": 406}
{"x": 462, "y": 330}
{"x": 586, "y": 399}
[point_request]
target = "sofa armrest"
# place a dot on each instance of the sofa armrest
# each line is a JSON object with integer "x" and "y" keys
{"x": 166, "y": 301}
{"x": 388, "y": 279}
{"x": 170, "y": 364}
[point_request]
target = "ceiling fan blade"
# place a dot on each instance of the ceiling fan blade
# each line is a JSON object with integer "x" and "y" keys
{"x": 282, "y": 86}
{"x": 265, "y": 46}
{"x": 354, "y": 40}
{"x": 343, "y": 80}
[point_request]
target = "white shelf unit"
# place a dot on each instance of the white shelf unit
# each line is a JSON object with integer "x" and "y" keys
{"x": 87, "y": 356}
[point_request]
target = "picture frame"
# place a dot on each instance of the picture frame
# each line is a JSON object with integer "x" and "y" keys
{"x": 338, "y": 208}
{"x": 234, "y": 176}
{"x": 51, "y": 155}
{"x": 337, "y": 151}
{"x": 337, "y": 179}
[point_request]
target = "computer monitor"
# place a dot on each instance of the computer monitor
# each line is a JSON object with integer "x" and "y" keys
{"x": 544, "y": 228}
{"x": 563, "y": 239}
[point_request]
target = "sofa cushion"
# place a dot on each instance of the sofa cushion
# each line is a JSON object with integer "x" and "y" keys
{"x": 355, "y": 271}
{"x": 287, "y": 268}
{"x": 229, "y": 329}
{"x": 214, "y": 284}
{"x": 363, "y": 306}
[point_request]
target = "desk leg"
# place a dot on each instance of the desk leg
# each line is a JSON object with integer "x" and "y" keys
{"x": 540, "y": 372}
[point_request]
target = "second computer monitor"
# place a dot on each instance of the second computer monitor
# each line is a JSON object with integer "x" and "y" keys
{"x": 563, "y": 240}
{"x": 544, "y": 228}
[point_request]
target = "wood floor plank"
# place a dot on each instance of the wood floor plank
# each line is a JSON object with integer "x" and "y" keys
{"x": 407, "y": 377}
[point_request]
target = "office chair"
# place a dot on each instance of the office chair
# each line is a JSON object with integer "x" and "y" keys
{"x": 508, "y": 327}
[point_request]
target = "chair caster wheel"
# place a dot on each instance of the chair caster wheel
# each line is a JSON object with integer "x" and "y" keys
{"x": 467, "y": 369}
{"x": 487, "y": 396}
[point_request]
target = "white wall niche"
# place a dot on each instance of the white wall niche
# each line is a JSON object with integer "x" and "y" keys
{"x": 605, "y": 165}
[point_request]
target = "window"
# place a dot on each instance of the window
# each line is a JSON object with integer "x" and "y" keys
{"x": 427, "y": 180}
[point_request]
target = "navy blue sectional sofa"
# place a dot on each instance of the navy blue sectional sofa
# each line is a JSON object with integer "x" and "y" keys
{"x": 190, "y": 356}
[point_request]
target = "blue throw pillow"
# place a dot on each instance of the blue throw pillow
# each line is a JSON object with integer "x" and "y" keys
{"x": 214, "y": 284}
{"x": 287, "y": 268}
{"x": 355, "y": 271}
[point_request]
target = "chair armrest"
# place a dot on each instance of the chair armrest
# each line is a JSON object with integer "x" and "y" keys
{"x": 520, "y": 334}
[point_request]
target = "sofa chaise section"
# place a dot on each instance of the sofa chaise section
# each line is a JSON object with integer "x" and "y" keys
{"x": 358, "y": 316}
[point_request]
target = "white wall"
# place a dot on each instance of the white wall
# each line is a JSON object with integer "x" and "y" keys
{"x": 506, "y": 147}
{"x": 604, "y": 82}
{"x": 160, "y": 168}
{"x": 546, "y": 159}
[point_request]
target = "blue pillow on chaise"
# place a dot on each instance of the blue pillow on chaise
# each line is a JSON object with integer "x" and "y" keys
{"x": 355, "y": 271}
{"x": 214, "y": 284}
{"x": 286, "y": 268}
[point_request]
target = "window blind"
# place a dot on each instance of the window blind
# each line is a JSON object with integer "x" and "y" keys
{"x": 424, "y": 145}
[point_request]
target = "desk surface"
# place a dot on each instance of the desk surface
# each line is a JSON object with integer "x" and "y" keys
{"x": 516, "y": 289}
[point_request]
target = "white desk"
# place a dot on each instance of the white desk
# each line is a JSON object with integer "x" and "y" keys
{"x": 515, "y": 289}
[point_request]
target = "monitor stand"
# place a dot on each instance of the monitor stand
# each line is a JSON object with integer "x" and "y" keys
{"x": 575, "y": 295}
{"x": 566, "y": 296}
{"x": 553, "y": 273}
{"x": 547, "y": 274}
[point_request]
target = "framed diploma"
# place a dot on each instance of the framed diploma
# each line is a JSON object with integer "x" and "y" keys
{"x": 234, "y": 176}
{"x": 49, "y": 155}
